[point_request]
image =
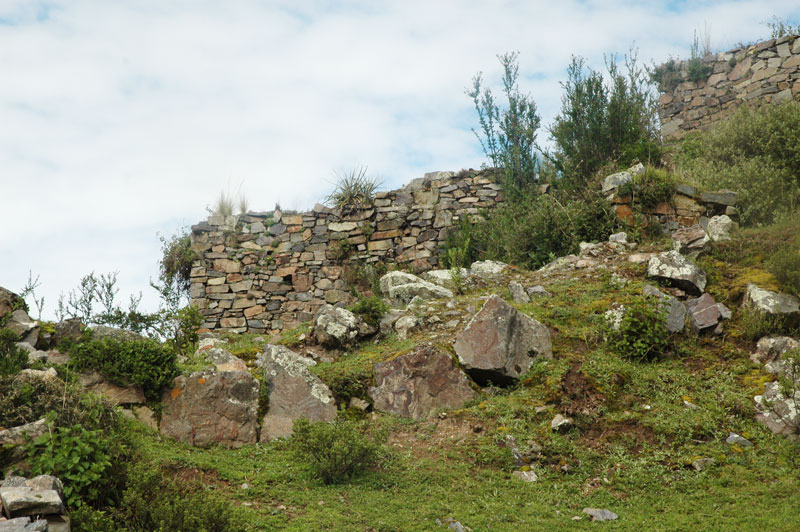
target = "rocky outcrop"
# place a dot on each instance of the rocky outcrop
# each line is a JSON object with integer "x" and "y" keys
{"x": 769, "y": 302}
{"x": 419, "y": 383}
{"x": 402, "y": 287}
{"x": 675, "y": 270}
{"x": 500, "y": 343}
{"x": 207, "y": 408}
{"x": 294, "y": 392}
{"x": 19, "y": 435}
{"x": 336, "y": 328}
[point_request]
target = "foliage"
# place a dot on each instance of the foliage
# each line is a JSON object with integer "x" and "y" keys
{"x": 144, "y": 363}
{"x": 696, "y": 68}
{"x": 781, "y": 27}
{"x": 30, "y": 290}
{"x": 354, "y": 190}
{"x": 370, "y": 309}
{"x": 641, "y": 334}
{"x": 655, "y": 186}
{"x": 226, "y": 202}
{"x": 341, "y": 250}
{"x": 336, "y": 450}
{"x": 12, "y": 358}
{"x": 754, "y": 325}
{"x": 785, "y": 266}
{"x": 761, "y": 140}
{"x": 509, "y": 135}
{"x": 602, "y": 121}
{"x": 363, "y": 276}
{"x": 175, "y": 266}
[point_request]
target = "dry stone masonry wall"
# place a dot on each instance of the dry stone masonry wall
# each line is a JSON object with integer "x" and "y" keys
{"x": 269, "y": 271}
{"x": 768, "y": 71}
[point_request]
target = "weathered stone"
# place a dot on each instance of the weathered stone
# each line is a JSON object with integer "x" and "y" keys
{"x": 402, "y": 287}
{"x": 116, "y": 395}
{"x": 614, "y": 181}
{"x": 690, "y": 240}
{"x": 500, "y": 343}
{"x": 705, "y": 314}
{"x": 561, "y": 423}
{"x": 720, "y": 197}
{"x": 22, "y": 501}
{"x": 619, "y": 238}
{"x": 734, "y": 438}
{"x": 207, "y": 407}
{"x": 100, "y": 332}
{"x": 405, "y": 325}
{"x": 701, "y": 464}
{"x": 19, "y": 322}
{"x": 770, "y": 349}
{"x": 487, "y": 268}
{"x": 9, "y": 301}
{"x": 336, "y": 327}
{"x": 526, "y": 476}
{"x": 223, "y": 360}
{"x": 770, "y": 302}
{"x": 294, "y": 392}
{"x": 444, "y": 278}
{"x": 518, "y": 293}
{"x": 721, "y": 227}
{"x": 417, "y": 384}
{"x": 674, "y": 309}
{"x": 538, "y": 291}
{"x": 18, "y": 435}
{"x": 673, "y": 268}
{"x": 600, "y": 514}
{"x": 778, "y": 412}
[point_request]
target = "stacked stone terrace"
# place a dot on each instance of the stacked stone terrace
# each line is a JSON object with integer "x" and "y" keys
{"x": 768, "y": 71}
{"x": 267, "y": 271}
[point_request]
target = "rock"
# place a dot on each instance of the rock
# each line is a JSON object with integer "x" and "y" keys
{"x": 27, "y": 524}
{"x": 101, "y": 331}
{"x": 734, "y": 438}
{"x": 614, "y": 181}
{"x": 453, "y": 525}
{"x": 206, "y": 407}
{"x": 778, "y": 412}
{"x": 405, "y": 325}
{"x": 598, "y": 514}
{"x": 402, "y": 287}
{"x": 619, "y": 238}
{"x": 702, "y": 463}
{"x": 49, "y": 373}
{"x": 9, "y": 301}
{"x": 675, "y": 310}
{"x": 538, "y": 291}
{"x": 388, "y": 320}
{"x": 143, "y": 415}
{"x": 18, "y": 435}
{"x": 674, "y": 269}
{"x": 721, "y": 227}
{"x": 444, "y": 278}
{"x": 224, "y": 360}
{"x": 359, "y": 404}
{"x": 518, "y": 293}
{"x": 23, "y": 326}
{"x": 690, "y": 241}
{"x": 724, "y": 198}
{"x": 113, "y": 393}
{"x": 770, "y": 350}
{"x": 500, "y": 343}
{"x": 294, "y": 392}
{"x": 336, "y": 327}
{"x": 487, "y": 268}
{"x": 526, "y": 476}
{"x": 705, "y": 314}
{"x": 637, "y": 169}
{"x": 71, "y": 329}
{"x": 561, "y": 423}
{"x": 22, "y": 501}
{"x": 418, "y": 383}
{"x": 770, "y": 302}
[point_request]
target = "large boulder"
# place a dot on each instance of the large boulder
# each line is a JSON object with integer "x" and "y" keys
{"x": 116, "y": 395}
{"x": 615, "y": 181}
{"x": 690, "y": 241}
{"x": 294, "y": 392}
{"x": 9, "y": 301}
{"x": 402, "y": 287}
{"x": 207, "y": 407}
{"x": 444, "y": 278}
{"x": 336, "y": 327}
{"x": 419, "y": 383}
{"x": 705, "y": 314}
{"x": 770, "y": 350}
{"x": 675, "y": 310}
{"x": 487, "y": 268}
{"x": 500, "y": 343}
{"x": 768, "y": 302}
{"x": 674, "y": 269}
{"x": 778, "y": 412}
{"x": 721, "y": 227}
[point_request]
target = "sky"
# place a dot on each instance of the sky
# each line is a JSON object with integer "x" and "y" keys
{"x": 122, "y": 121}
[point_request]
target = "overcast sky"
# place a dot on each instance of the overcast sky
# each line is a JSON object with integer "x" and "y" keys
{"x": 121, "y": 120}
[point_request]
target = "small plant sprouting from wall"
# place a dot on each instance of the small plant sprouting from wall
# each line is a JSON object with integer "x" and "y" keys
{"x": 697, "y": 69}
{"x": 354, "y": 190}
{"x": 227, "y": 202}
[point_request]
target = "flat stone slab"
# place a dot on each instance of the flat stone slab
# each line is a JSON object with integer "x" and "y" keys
{"x": 674, "y": 269}
{"x": 770, "y": 302}
{"x": 22, "y": 501}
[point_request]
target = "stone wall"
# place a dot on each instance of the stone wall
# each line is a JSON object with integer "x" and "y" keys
{"x": 768, "y": 71}
{"x": 272, "y": 270}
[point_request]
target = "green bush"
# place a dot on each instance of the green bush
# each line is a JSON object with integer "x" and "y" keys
{"x": 602, "y": 122}
{"x": 754, "y": 325}
{"x": 12, "y": 358}
{"x": 755, "y": 152}
{"x": 144, "y": 363}
{"x": 370, "y": 309}
{"x": 642, "y": 334}
{"x": 336, "y": 450}
{"x": 653, "y": 187}
{"x": 785, "y": 266}
{"x": 354, "y": 190}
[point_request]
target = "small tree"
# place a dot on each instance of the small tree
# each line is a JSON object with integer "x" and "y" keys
{"x": 508, "y": 136}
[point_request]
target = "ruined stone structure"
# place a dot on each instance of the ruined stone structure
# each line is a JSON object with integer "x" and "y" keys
{"x": 272, "y": 270}
{"x": 768, "y": 71}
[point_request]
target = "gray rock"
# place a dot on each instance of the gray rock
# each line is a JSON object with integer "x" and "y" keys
{"x": 44, "y": 374}
{"x": 778, "y": 412}
{"x": 418, "y": 383}
{"x": 18, "y": 435}
{"x": 388, "y": 320}
{"x": 207, "y": 407}
{"x": 770, "y": 350}
{"x": 675, "y": 310}
{"x": 538, "y": 291}
{"x": 526, "y": 476}
{"x": 734, "y": 438}
{"x": 22, "y": 325}
{"x": 721, "y": 227}
{"x": 405, "y": 325}
{"x": 619, "y": 238}
{"x": 518, "y": 292}
{"x": 770, "y": 302}
{"x": 561, "y": 423}
{"x": 691, "y": 241}
{"x": 614, "y": 181}
{"x": 500, "y": 343}
{"x": 9, "y": 301}
{"x": 101, "y": 331}
{"x": 223, "y": 359}
{"x": 487, "y": 268}
{"x": 598, "y": 514}
{"x": 705, "y": 314}
{"x": 720, "y": 197}
{"x": 22, "y": 501}
{"x": 702, "y": 463}
{"x": 444, "y": 278}
{"x": 674, "y": 269}
{"x": 402, "y": 287}
{"x": 113, "y": 393}
{"x": 294, "y": 392}
{"x": 336, "y": 327}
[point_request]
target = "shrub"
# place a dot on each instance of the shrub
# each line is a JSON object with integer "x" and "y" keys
{"x": 601, "y": 122}
{"x": 780, "y": 27}
{"x": 370, "y": 309}
{"x": 354, "y": 190}
{"x": 335, "y": 450}
{"x": 754, "y": 325}
{"x": 755, "y": 152}
{"x": 785, "y": 266}
{"x": 653, "y": 187}
{"x": 641, "y": 334}
{"x": 12, "y": 358}
{"x": 144, "y": 363}
{"x": 177, "y": 257}
{"x": 509, "y": 135}
{"x": 697, "y": 69}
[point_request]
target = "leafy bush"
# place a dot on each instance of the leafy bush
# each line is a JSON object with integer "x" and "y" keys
{"x": 641, "y": 334}
{"x": 354, "y": 190}
{"x": 785, "y": 266}
{"x": 370, "y": 309}
{"x": 755, "y": 152}
{"x": 653, "y": 187}
{"x": 697, "y": 69}
{"x": 12, "y": 358}
{"x": 754, "y": 325}
{"x": 601, "y": 122}
{"x": 145, "y": 362}
{"x": 175, "y": 266}
{"x": 335, "y": 450}
{"x": 509, "y": 135}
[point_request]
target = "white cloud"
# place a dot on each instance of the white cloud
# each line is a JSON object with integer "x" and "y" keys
{"x": 121, "y": 119}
